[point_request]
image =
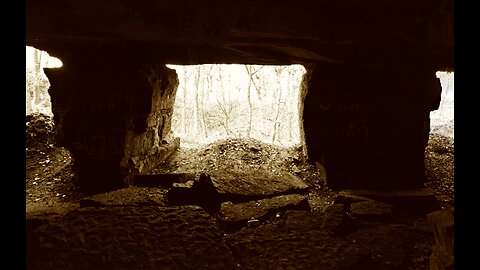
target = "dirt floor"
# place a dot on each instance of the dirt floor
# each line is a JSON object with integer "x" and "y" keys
{"x": 63, "y": 235}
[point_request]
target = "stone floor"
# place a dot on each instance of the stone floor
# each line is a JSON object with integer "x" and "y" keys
{"x": 137, "y": 228}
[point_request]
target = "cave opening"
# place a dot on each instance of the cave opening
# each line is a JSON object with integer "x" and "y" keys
{"x": 240, "y": 121}
{"x": 442, "y": 119}
{"x": 37, "y": 84}
{"x": 219, "y": 101}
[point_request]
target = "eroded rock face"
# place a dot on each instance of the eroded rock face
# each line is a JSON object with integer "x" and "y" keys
{"x": 114, "y": 117}
{"x": 150, "y": 142}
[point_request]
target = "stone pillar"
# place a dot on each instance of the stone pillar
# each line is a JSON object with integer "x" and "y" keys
{"x": 114, "y": 117}
{"x": 148, "y": 140}
{"x": 366, "y": 125}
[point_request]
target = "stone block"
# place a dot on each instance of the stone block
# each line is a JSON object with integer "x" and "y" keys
{"x": 131, "y": 196}
{"x": 371, "y": 210}
{"x": 234, "y": 215}
{"x": 235, "y": 186}
{"x": 199, "y": 191}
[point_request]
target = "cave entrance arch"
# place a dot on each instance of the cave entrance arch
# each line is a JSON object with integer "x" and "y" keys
{"x": 220, "y": 101}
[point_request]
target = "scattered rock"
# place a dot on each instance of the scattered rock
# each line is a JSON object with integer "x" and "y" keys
{"x": 199, "y": 192}
{"x": 299, "y": 241}
{"x": 39, "y": 130}
{"x": 238, "y": 186}
{"x": 235, "y": 215}
{"x": 131, "y": 196}
{"x": 372, "y": 210}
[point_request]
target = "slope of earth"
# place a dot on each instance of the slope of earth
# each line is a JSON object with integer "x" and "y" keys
{"x": 439, "y": 165}
{"x": 50, "y": 183}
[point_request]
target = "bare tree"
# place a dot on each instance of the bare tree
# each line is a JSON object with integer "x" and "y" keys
{"x": 204, "y": 91}
{"x": 210, "y": 105}
{"x": 278, "y": 90}
{"x": 184, "y": 108}
{"x": 251, "y": 72}
{"x": 226, "y": 110}
{"x": 195, "y": 107}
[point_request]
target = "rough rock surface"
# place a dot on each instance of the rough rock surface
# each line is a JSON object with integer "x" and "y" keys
{"x": 129, "y": 238}
{"x": 274, "y": 247}
{"x": 371, "y": 210}
{"x": 150, "y": 141}
{"x": 258, "y": 185}
{"x": 238, "y": 214}
{"x": 131, "y": 196}
{"x": 334, "y": 218}
{"x": 302, "y": 220}
{"x": 39, "y": 130}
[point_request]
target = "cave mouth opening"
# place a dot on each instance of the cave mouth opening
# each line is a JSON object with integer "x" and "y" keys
{"x": 442, "y": 119}
{"x": 216, "y": 102}
{"x": 37, "y": 84}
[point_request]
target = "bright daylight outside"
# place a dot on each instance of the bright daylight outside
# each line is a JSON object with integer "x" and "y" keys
{"x": 37, "y": 84}
{"x": 216, "y": 102}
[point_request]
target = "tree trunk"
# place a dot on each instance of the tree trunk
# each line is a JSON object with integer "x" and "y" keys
{"x": 251, "y": 82}
{"x": 184, "y": 109}
{"x": 204, "y": 75}
{"x": 278, "y": 71}
{"x": 195, "y": 124}
{"x": 290, "y": 109}
{"x": 250, "y": 107}
{"x": 223, "y": 103}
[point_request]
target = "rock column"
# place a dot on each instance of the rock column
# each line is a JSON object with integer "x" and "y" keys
{"x": 114, "y": 117}
{"x": 368, "y": 126}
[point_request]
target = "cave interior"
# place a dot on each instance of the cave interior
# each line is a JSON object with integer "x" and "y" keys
{"x": 365, "y": 98}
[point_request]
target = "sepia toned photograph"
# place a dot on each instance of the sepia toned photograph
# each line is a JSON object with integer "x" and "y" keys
{"x": 239, "y": 135}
